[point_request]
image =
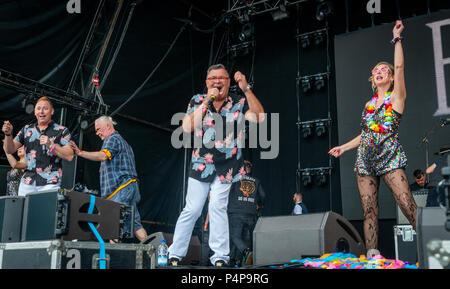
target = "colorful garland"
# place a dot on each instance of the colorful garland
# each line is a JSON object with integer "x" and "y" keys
{"x": 387, "y": 118}
{"x": 350, "y": 261}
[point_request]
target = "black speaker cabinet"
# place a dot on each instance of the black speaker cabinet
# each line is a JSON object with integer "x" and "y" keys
{"x": 45, "y": 215}
{"x": 11, "y": 210}
{"x": 430, "y": 226}
{"x": 111, "y": 219}
{"x": 193, "y": 255}
{"x": 284, "y": 238}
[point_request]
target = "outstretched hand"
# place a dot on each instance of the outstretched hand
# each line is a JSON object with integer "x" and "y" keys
{"x": 336, "y": 151}
{"x": 398, "y": 28}
{"x": 74, "y": 147}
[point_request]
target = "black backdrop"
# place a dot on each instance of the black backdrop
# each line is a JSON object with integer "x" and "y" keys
{"x": 40, "y": 40}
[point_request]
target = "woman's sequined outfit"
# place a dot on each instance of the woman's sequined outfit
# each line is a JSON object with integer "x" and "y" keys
{"x": 379, "y": 153}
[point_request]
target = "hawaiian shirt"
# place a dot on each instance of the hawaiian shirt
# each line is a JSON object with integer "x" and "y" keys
{"x": 222, "y": 136}
{"x": 43, "y": 166}
{"x": 119, "y": 167}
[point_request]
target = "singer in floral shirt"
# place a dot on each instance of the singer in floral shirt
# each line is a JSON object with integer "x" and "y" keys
{"x": 217, "y": 121}
{"x": 46, "y": 145}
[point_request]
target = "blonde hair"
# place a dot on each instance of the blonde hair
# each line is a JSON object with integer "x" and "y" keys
{"x": 44, "y": 98}
{"x": 391, "y": 69}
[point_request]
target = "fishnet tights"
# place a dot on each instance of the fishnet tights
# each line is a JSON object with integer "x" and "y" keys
{"x": 368, "y": 187}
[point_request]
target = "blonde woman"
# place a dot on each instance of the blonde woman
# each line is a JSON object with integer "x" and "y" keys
{"x": 380, "y": 154}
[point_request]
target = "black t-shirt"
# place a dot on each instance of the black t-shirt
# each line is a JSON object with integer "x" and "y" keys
{"x": 436, "y": 176}
{"x": 222, "y": 138}
{"x": 245, "y": 195}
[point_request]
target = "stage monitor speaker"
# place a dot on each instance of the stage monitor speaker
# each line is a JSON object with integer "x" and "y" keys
{"x": 284, "y": 238}
{"x": 193, "y": 255}
{"x": 430, "y": 227}
{"x": 111, "y": 219}
{"x": 45, "y": 215}
{"x": 11, "y": 210}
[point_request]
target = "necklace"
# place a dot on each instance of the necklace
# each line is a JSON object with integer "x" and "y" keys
{"x": 386, "y": 118}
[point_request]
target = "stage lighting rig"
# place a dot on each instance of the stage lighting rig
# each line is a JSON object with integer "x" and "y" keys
{"x": 34, "y": 89}
{"x": 280, "y": 13}
{"x": 246, "y": 32}
{"x": 319, "y": 81}
{"x": 306, "y": 177}
{"x": 240, "y": 49}
{"x": 318, "y": 37}
{"x": 305, "y": 83}
{"x": 324, "y": 9}
{"x": 304, "y": 41}
{"x": 320, "y": 129}
{"x": 306, "y": 128}
{"x": 320, "y": 178}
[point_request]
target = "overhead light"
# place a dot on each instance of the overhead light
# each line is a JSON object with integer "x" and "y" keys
{"x": 318, "y": 38}
{"x": 320, "y": 177}
{"x": 280, "y": 13}
{"x": 306, "y": 178}
{"x": 306, "y": 130}
{"x": 324, "y": 10}
{"x": 246, "y": 32}
{"x": 304, "y": 41}
{"x": 319, "y": 82}
{"x": 29, "y": 108}
{"x": 320, "y": 129}
{"x": 306, "y": 84}
{"x": 83, "y": 121}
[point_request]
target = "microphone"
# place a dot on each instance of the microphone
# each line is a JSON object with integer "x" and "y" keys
{"x": 44, "y": 147}
{"x": 445, "y": 121}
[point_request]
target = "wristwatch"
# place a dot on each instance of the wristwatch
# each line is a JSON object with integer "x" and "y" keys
{"x": 247, "y": 88}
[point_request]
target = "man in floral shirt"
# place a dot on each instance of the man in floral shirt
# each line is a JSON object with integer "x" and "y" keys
{"x": 217, "y": 120}
{"x": 46, "y": 144}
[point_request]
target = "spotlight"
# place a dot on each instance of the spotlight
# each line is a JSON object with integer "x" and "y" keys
{"x": 29, "y": 108}
{"x": 304, "y": 41}
{"x": 82, "y": 120}
{"x": 281, "y": 13}
{"x": 84, "y": 124}
{"x": 306, "y": 178}
{"x": 321, "y": 177}
{"x": 319, "y": 82}
{"x": 320, "y": 129}
{"x": 246, "y": 32}
{"x": 324, "y": 10}
{"x": 306, "y": 130}
{"x": 306, "y": 84}
{"x": 318, "y": 38}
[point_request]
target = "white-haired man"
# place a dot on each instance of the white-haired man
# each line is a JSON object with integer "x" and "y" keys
{"x": 118, "y": 177}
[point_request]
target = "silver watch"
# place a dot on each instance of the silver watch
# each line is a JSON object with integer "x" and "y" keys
{"x": 247, "y": 88}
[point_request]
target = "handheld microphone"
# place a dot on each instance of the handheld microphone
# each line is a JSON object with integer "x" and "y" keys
{"x": 44, "y": 147}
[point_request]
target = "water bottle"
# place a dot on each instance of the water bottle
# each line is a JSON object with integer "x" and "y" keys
{"x": 163, "y": 252}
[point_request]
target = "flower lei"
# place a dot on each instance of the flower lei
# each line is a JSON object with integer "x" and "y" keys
{"x": 387, "y": 117}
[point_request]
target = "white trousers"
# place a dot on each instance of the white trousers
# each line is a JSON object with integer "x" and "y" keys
{"x": 25, "y": 189}
{"x": 219, "y": 239}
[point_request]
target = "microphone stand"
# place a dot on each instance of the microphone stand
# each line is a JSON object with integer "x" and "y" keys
{"x": 425, "y": 141}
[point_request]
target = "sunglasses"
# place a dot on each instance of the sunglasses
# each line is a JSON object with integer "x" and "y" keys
{"x": 382, "y": 69}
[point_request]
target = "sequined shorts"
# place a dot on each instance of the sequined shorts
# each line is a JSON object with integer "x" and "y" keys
{"x": 377, "y": 161}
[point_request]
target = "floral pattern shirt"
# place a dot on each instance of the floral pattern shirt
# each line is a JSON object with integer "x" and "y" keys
{"x": 43, "y": 166}
{"x": 222, "y": 136}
